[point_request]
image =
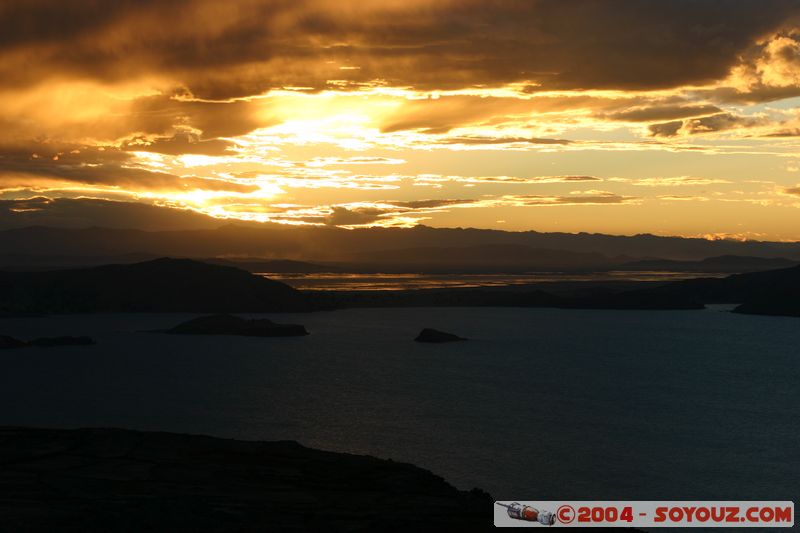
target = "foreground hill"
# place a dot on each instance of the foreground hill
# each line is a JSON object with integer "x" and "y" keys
{"x": 99, "y": 480}
{"x": 161, "y": 285}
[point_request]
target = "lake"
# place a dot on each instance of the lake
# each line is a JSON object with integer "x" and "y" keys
{"x": 541, "y": 404}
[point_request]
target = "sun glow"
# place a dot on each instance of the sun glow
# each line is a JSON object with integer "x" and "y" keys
{"x": 375, "y": 112}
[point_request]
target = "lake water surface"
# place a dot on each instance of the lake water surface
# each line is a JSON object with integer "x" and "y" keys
{"x": 539, "y": 404}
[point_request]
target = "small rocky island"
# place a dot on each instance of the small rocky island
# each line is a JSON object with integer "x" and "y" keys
{"x": 436, "y": 336}
{"x": 7, "y": 342}
{"x": 101, "y": 480}
{"x": 234, "y": 325}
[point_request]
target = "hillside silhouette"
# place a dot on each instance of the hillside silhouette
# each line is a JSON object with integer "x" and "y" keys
{"x": 161, "y": 285}
{"x": 100, "y": 480}
{"x": 773, "y": 292}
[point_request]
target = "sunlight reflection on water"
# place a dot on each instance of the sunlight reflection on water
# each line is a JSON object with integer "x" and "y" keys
{"x": 335, "y": 281}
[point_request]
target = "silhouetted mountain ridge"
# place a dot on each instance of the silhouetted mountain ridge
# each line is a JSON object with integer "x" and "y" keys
{"x": 161, "y": 285}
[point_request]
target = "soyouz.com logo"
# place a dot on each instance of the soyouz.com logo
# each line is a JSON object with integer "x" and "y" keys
{"x": 644, "y": 514}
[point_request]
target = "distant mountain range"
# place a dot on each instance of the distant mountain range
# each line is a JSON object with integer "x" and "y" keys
{"x": 418, "y": 249}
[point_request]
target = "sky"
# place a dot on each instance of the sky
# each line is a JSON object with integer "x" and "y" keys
{"x": 674, "y": 117}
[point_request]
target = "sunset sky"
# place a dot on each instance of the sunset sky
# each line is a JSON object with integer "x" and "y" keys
{"x": 668, "y": 117}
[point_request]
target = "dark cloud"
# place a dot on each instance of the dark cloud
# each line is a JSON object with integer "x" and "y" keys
{"x": 794, "y": 191}
{"x": 588, "y": 198}
{"x": 790, "y": 132}
{"x": 665, "y": 129}
{"x": 225, "y": 49}
{"x": 431, "y": 204}
{"x": 474, "y": 140}
{"x": 29, "y": 166}
{"x": 180, "y": 143}
{"x": 89, "y": 212}
{"x": 107, "y": 118}
{"x": 666, "y": 112}
{"x": 710, "y": 124}
{"x": 752, "y": 95}
{"x": 37, "y": 22}
{"x": 161, "y": 113}
{"x": 343, "y": 216}
{"x": 570, "y": 178}
{"x": 358, "y": 160}
{"x": 721, "y": 122}
{"x": 440, "y": 115}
